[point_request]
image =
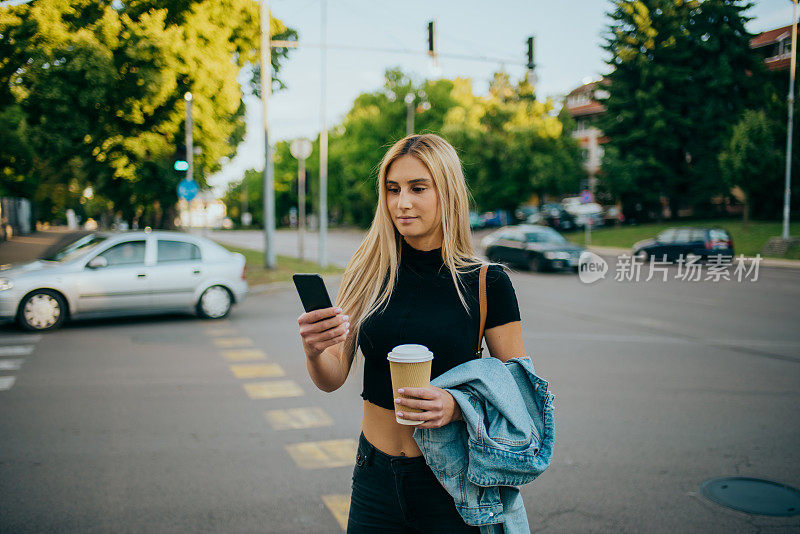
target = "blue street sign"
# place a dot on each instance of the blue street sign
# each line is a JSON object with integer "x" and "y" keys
{"x": 188, "y": 189}
{"x": 587, "y": 197}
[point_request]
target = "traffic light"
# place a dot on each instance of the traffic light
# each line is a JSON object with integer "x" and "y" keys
{"x": 431, "y": 40}
{"x": 180, "y": 161}
{"x": 531, "y": 65}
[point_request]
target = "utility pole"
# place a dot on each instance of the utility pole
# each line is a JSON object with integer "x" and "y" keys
{"x": 269, "y": 186}
{"x": 787, "y": 193}
{"x": 409, "y": 99}
{"x": 323, "y": 149}
{"x": 189, "y": 150}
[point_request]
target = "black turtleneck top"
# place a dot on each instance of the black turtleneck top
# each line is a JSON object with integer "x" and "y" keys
{"x": 424, "y": 308}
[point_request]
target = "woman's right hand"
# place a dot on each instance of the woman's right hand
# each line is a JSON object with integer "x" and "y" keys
{"x": 320, "y": 329}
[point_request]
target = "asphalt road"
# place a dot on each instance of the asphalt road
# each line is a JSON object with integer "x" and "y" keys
{"x": 142, "y": 425}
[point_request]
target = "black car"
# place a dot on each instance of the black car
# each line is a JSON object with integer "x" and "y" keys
{"x": 555, "y": 216}
{"x": 674, "y": 243}
{"x": 535, "y": 247}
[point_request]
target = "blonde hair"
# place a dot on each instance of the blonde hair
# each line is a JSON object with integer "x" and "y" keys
{"x": 371, "y": 274}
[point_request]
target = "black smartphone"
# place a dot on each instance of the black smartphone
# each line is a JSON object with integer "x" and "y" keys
{"x": 312, "y": 291}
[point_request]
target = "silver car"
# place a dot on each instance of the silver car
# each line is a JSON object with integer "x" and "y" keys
{"x": 101, "y": 275}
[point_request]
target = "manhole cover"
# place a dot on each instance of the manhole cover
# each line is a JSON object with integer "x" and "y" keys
{"x": 753, "y": 496}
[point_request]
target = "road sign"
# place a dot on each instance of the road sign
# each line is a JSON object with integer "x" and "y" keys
{"x": 188, "y": 189}
{"x": 300, "y": 148}
{"x": 587, "y": 197}
{"x": 181, "y": 165}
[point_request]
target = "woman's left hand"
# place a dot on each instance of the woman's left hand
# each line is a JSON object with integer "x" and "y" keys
{"x": 438, "y": 406}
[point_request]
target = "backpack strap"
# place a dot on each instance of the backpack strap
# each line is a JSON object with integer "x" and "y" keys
{"x": 482, "y": 297}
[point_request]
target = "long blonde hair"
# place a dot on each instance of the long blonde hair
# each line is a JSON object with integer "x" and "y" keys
{"x": 371, "y": 274}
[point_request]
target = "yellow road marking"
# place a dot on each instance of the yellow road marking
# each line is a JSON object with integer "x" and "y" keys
{"x": 226, "y": 342}
{"x": 319, "y": 454}
{"x": 339, "y": 505}
{"x": 273, "y": 389}
{"x": 242, "y": 355}
{"x": 221, "y": 331}
{"x": 257, "y": 370}
{"x": 295, "y": 418}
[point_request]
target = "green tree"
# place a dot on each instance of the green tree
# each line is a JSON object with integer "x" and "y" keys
{"x": 682, "y": 73}
{"x": 101, "y": 85}
{"x": 752, "y": 162}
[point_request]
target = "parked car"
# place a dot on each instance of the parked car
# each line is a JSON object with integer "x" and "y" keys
{"x": 101, "y": 275}
{"x": 555, "y": 216}
{"x": 670, "y": 244}
{"x": 494, "y": 219}
{"x": 523, "y": 213}
{"x": 537, "y": 248}
{"x": 475, "y": 220}
{"x": 612, "y": 215}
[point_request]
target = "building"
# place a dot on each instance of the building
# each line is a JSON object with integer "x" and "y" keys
{"x": 774, "y": 47}
{"x": 584, "y": 108}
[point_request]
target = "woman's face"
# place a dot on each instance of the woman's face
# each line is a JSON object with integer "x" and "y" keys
{"x": 414, "y": 203}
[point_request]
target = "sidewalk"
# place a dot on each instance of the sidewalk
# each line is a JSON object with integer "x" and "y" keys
{"x": 29, "y": 247}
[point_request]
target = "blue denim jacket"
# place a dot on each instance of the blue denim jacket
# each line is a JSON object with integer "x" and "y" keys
{"x": 505, "y": 440}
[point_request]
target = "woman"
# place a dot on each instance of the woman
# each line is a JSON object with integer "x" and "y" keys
{"x": 414, "y": 279}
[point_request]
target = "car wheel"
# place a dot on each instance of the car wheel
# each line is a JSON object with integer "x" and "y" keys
{"x": 214, "y": 303}
{"x": 535, "y": 264}
{"x": 42, "y": 310}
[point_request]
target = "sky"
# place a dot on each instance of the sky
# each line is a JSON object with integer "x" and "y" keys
{"x": 568, "y": 53}
{"x": 367, "y": 36}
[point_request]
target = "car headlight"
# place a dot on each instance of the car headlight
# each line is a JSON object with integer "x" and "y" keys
{"x": 5, "y": 283}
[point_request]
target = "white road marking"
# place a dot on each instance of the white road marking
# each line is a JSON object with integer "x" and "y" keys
{"x": 10, "y": 365}
{"x": 19, "y": 340}
{"x": 16, "y": 350}
{"x": 6, "y": 382}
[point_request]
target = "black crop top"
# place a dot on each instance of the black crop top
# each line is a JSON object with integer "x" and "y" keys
{"x": 424, "y": 308}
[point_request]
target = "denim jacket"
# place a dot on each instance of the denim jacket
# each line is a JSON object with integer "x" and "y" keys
{"x": 505, "y": 440}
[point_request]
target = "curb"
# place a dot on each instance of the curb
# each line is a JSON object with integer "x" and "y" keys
{"x": 275, "y": 287}
{"x": 765, "y": 262}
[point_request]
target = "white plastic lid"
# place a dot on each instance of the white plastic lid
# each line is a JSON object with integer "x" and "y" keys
{"x": 410, "y": 354}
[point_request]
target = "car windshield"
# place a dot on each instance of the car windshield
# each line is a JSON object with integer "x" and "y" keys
{"x": 76, "y": 248}
{"x": 546, "y": 235}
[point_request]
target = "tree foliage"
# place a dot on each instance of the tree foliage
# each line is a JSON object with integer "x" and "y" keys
{"x": 683, "y": 72}
{"x": 96, "y": 89}
{"x": 511, "y": 146}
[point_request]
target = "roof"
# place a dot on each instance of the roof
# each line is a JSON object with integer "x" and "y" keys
{"x": 592, "y": 108}
{"x": 770, "y": 37}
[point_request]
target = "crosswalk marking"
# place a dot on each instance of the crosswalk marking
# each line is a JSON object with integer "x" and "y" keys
{"x": 221, "y": 331}
{"x": 16, "y": 350}
{"x": 10, "y": 365}
{"x": 258, "y": 370}
{"x": 296, "y": 418}
{"x": 242, "y": 355}
{"x": 321, "y": 454}
{"x": 226, "y": 342}
{"x": 6, "y": 382}
{"x": 273, "y": 389}
{"x": 20, "y": 340}
{"x": 339, "y": 505}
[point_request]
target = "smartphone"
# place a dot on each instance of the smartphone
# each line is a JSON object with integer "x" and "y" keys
{"x": 312, "y": 291}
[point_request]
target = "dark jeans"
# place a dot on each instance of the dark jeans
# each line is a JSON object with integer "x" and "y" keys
{"x": 399, "y": 494}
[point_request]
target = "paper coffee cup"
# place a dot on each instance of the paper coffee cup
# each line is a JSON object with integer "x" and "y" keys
{"x": 410, "y": 366}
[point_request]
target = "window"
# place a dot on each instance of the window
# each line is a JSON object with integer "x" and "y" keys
{"x": 169, "y": 251}
{"x": 719, "y": 235}
{"x": 127, "y": 253}
{"x": 683, "y": 235}
{"x": 699, "y": 235}
{"x": 667, "y": 236}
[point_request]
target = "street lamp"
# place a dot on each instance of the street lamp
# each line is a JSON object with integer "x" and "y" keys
{"x": 788, "y": 180}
